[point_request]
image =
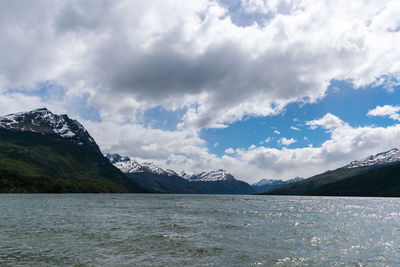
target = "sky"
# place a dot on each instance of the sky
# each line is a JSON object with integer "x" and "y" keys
{"x": 266, "y": 89}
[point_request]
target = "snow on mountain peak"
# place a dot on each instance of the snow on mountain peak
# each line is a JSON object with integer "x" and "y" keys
{"x": 129, "y": 165}
{"x": 43, "y": 120}
{"x": 390, "y": 156}
{"x": 212, "y": 176}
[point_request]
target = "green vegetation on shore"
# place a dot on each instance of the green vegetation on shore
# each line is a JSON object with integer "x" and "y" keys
{"x": 36, "y": 162}
{"x": 373, "y": 181}
{"x": 382, "y": 182}
{"x": 302, "y": 187}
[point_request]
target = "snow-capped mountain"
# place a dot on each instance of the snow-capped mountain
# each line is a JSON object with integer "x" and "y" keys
{"x": 129, "y": 165}
{"x": 264, "y": 182}
{"x": 392, "y": 155}
{"x": 212, "y": 176}
{"x": 44, "y": 121}
{"x": 168, "y": 181}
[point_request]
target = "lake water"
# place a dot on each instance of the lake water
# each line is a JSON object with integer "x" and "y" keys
{"x": 197, "y": 230}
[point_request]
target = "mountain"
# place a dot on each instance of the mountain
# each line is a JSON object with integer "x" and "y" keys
{"x": 161, "y": 180}
{"x": 44, "y": 121}
{"x": 302, "y": 187}
{"x": 150, "y": 176}
{"x": 390, "y": 156}
{"x": 267, "y": 184}
{"x": 323, "y": 183}
{"x": 218, "y": 182}
{"x": 44, "y": 152}
{"x": 212, "y": 176}
{"x": 128, "y": 165}
{"x": 381, "y": 182}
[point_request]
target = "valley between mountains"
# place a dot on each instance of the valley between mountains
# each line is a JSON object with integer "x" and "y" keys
{"x": 42, "y": 152}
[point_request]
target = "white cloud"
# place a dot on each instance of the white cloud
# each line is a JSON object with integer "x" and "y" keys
{"x": 252, "y": 147}
{"x": 229, "y": 151}
{"x": 269, "y": 139}
{"x": 386, "y": 110}
{"x": 146, "y": 143}
{"x": 328, "y": 122}
{"x": 216, "y": 144}
{"x": 287, "y": 142}
{"x": 277, "y": 132}
{"x": 295, "y": 128}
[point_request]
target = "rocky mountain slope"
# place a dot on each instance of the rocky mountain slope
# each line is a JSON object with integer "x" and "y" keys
{"x": 128, "y": 165}
{"x": 390, "y": 156}
{"x": 212, "y": 176}
{"x": 44, "y": 121}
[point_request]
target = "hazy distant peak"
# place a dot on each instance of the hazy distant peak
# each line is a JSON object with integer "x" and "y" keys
{"x": 264, "y": 182}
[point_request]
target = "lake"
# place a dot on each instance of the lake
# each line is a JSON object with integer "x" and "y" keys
{"x": 197, "y": 230}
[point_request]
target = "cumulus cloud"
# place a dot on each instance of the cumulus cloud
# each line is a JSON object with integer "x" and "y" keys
{"x": 386, "y": 111}
{"x": 229, "y": 151}
{"x": 329, "y": 122}
{"x": 252, "y": 147}
{"x": 287, "y": 142}
{"x": 277, "y": 132}
{"x": 295, "y": 128}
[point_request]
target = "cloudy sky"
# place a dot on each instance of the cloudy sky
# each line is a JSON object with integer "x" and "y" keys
{"x": 263, "y": 88}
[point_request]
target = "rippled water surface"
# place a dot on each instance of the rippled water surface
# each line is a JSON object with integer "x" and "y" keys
{"x": 197, "y": 230}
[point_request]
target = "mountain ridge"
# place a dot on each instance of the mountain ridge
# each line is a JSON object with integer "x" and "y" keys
{"x": 168, "y": 181}
{"x": 43, "y": 120}
{"x": 381, "y": 158}
{"x": 130, "y": 165}
{"x": 330, "y": 181}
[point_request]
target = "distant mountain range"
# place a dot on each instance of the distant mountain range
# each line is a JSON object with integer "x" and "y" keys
{"x": 375, "y": 175}
{"x": 162, "y": 180}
